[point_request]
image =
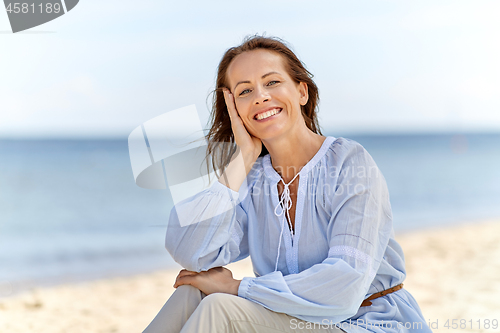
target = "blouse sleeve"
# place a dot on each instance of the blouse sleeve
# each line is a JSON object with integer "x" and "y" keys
{"x": 208, "y": 229}
{"x": 358, "y": 233}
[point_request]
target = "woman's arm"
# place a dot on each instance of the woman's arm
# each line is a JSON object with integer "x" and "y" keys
{"x": 249, "y": 148}
{"x": 209, "y": 229}
{"x": 358, "y": 233}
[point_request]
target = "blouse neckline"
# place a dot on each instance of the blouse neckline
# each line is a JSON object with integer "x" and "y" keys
{"x": 274, "y": 175}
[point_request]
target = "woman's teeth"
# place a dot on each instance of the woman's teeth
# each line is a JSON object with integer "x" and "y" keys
{"x": 267, "y": 114}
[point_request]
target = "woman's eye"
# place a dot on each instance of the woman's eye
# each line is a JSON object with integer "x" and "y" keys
{"x": 271, "y": 83}
{"x": 244, "y": 92}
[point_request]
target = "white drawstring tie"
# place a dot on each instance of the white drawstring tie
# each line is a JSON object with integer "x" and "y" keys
{"x": 285, "y": 204}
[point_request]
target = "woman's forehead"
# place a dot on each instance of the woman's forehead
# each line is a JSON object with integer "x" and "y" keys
{"x": 254, "y": 63}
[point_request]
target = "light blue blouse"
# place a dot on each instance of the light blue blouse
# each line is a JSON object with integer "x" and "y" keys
{"x": 343, "y": 249}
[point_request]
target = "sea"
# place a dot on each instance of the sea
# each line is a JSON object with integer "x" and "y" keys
{"x": 70, "y": 210}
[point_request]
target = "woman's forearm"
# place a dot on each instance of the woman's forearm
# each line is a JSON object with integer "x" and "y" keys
{"x": 237, "y": 170}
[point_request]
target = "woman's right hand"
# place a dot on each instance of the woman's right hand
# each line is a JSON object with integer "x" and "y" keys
{"x": 250, "y": 145}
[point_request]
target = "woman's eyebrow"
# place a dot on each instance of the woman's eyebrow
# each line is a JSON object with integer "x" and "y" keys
{"x": 263, "y": 77}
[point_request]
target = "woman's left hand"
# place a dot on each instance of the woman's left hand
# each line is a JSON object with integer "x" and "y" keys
{"x": 215, "y": 280}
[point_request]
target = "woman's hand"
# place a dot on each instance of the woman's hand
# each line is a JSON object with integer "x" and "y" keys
{"x": 215, "y": 280}
{"x": 249, "y": 144}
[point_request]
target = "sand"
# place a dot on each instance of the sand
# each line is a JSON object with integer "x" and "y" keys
{"x": 453, "y": 273}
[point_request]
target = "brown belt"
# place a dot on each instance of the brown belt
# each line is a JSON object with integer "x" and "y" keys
{"x": 367, "y": 302}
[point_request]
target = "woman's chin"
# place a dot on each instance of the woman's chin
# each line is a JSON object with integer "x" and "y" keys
{"x": 270, "y": 133}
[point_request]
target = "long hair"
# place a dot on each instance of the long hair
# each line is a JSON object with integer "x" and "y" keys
{"x": 220, "y": 138}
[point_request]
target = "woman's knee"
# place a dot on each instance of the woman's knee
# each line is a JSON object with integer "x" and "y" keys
{"x": 187, "y": 289}
{"x": 188, "y": 295}
{"x": 219, "y": 302}
{"x": 217, "y": 299}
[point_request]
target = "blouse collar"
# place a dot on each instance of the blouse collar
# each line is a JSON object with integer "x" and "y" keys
{"x": 275, "y": 177}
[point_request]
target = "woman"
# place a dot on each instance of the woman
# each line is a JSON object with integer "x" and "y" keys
{"x": 311, "y": 211}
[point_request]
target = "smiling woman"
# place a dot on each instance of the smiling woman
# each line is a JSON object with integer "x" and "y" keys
{"x": 277, "y": 54}
{"x": 285, "y": 96}
{"x": 336, "y": 267}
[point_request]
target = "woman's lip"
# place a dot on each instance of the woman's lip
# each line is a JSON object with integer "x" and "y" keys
{"x": 266, "y": 110}
{"x": 274, "y": 115}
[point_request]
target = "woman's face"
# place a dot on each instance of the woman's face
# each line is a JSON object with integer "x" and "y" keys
{"x": 268, "y": 100}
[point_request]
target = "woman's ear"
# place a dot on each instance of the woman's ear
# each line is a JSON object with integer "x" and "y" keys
{"x": 304, "y": 93}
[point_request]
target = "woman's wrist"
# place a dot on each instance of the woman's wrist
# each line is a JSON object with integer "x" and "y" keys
{"x": 249, "y": 159}
{"x": 235, "y": 287}
{"x": 236, "y": 171}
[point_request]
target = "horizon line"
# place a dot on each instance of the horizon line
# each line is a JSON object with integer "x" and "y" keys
{"x": 325, "y": 133}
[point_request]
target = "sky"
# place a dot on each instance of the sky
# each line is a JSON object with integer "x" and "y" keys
{"x": 106, "y": 67}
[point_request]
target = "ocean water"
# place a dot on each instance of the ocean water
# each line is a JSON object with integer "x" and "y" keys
{"x": 70, "y": 210}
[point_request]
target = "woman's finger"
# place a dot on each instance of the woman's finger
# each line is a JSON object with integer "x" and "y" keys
{"x": 186, "y": 280}
{"x": 186, "y": 272}
{"x": 231, "y": 107}
{"x": 241, "y": 135}
{"x": 183, "y": 273}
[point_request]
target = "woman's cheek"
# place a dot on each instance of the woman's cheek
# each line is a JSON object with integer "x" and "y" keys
{"x": 239, "y": 104}
{"x": 242, "y": 109}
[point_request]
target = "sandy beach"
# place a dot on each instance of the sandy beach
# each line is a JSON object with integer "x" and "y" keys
{"x": 451, "y": 271}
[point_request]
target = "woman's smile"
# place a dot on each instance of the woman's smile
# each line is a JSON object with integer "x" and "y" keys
{"x": 267, "y": 114}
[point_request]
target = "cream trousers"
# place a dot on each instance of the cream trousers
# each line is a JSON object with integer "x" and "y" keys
{"x": 189, "y": 310}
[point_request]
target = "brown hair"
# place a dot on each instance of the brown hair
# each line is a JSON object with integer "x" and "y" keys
{"x": 220, "y": 138}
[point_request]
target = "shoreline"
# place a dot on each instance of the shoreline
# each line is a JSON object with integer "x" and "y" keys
{"x": 9, "y": 290}
{"x": 452, "y": 272}
{"x": 12, "y": 288}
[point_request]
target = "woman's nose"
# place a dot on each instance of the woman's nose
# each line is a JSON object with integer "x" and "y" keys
{"x": 261, "y": 96}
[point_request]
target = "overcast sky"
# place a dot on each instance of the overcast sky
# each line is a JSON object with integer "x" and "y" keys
{"x": 106, "y": 67}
